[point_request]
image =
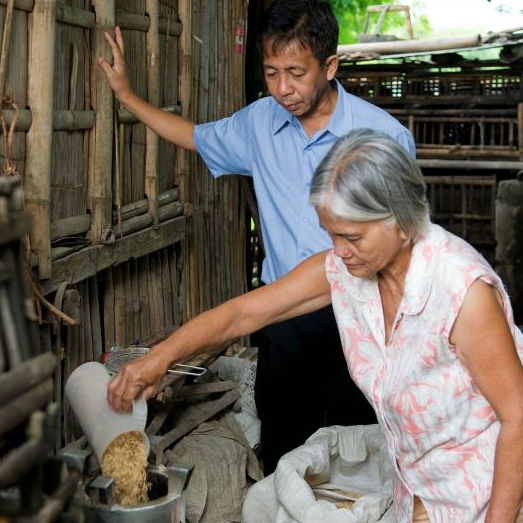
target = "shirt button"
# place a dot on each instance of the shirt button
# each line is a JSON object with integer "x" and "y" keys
{"x": 305, "y": 219}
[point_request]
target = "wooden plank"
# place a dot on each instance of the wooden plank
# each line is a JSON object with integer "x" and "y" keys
{"x": 86, "y": 263}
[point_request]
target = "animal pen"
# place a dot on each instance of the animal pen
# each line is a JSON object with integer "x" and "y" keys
{"x": 464, "y": 107}
{"x": 119, "y": 235}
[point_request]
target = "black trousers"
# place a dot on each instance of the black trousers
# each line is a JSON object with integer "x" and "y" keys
{"x": 302, "y": 384}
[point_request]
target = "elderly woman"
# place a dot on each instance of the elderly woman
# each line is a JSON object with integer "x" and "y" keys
{"x": 426, "y": 327}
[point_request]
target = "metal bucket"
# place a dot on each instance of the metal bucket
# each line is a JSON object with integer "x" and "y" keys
{"x": 166, "y": 505}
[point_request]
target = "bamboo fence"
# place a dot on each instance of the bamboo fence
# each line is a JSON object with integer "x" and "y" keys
{"x": 130, "y": 236}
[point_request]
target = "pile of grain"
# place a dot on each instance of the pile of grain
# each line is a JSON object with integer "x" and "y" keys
{"x": 125, "y": 461}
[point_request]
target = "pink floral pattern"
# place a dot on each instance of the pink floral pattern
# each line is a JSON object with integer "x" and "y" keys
{"x": 440, "y": 431}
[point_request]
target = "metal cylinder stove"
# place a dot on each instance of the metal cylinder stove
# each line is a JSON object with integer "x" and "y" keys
{"x": 96, "y": 493}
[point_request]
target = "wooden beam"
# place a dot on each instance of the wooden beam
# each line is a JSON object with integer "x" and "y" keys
{"x": 471, "y": 164}
{"x": 87, "y": 262}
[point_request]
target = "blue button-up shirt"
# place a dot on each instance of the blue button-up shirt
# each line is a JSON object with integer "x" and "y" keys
{"x": 265, "y": 141}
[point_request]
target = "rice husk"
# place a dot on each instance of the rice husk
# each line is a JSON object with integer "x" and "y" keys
{"x": 344, "y": 504}
{"x": 125, "y": 461}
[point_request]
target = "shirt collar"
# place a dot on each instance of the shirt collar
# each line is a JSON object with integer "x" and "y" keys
{"x": 337, "y": 124}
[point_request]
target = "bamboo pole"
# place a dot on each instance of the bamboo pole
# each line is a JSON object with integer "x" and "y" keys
{"x": 470, "y": 164}
{"x": 6, "y": 42}
{"x": 143, "y": 23}
{"x": 134, "y": 209}
{"x": 152, "y": 42}
{"x": 182, "y": 156}
{"x": 62, "y": 120}
{"x": 40, "y": 91}
{"x": 100, "y": 159}
{"x": 23, "y": 5}
{"x": 411, "y": 46}
{"x": 140, "y": 222}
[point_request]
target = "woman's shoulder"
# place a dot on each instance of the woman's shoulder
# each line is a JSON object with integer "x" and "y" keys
{"x": 454, "y": 259}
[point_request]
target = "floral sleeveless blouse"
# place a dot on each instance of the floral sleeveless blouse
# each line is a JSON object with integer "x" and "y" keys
{"x": 439, "y": 429}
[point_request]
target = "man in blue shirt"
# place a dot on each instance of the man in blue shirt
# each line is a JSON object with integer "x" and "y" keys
{"x": 302, "y": 380}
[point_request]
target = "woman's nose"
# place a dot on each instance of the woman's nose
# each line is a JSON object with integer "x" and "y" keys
{"x": 342, "y": 248}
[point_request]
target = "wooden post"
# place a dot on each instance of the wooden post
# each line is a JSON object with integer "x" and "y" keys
{"x": 101, "y": 141}
{"x": 40, "y": 91}
{"x": 152, "y": 40}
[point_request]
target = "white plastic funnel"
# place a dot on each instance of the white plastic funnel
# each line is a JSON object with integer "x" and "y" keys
{"x": 86, "y": 391}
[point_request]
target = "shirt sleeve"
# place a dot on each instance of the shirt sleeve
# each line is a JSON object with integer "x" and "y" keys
{"x": 225, "y": 145}
{"x": 407, "y": 141}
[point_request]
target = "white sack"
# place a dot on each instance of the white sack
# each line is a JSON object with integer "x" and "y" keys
{"x": 335, "y": 465}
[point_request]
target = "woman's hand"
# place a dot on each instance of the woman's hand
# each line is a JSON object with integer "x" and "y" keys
{"x": 142, "y": 375}
{"x": 115, "y": 72}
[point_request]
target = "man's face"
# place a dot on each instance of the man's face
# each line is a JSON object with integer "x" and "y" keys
{"x": 295, "y": 78}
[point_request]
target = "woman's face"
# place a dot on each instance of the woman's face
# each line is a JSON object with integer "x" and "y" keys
{"x": 365, "y": 248}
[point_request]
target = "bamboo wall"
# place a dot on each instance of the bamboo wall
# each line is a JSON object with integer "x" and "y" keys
{"x": 131, "y": 236}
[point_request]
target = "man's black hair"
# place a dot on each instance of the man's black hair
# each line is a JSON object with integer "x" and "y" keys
{"x": 306, "y": 22}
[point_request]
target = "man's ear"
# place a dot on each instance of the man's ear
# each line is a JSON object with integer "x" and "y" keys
{"x": 331, "y": 66}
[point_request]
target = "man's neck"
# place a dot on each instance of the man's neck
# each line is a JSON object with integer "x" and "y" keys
{"x": 318, "y": 119}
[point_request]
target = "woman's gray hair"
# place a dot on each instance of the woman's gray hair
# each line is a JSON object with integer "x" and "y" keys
{"x": 368, "y": 176}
